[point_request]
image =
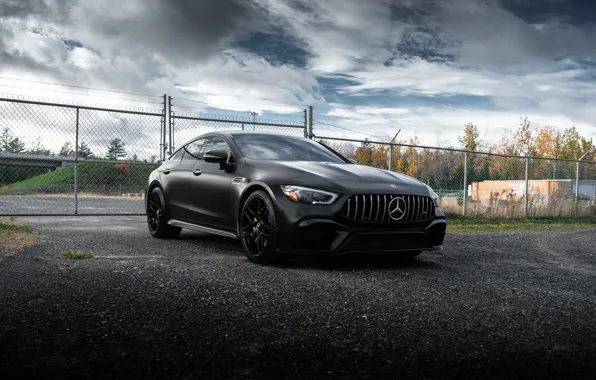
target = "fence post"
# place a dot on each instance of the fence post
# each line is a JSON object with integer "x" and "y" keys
{"x": 305, "y": 123}
{"x": 390, "y": 156}
{"x": 526, "y": 196}
{"x": 309, "y": 123}
{"x": 577, "y": 189}
{"x": 465, "y": 200}
{"x": 76, "y": 165}
{"x": 171, "y": 134}
{"x": 163, "y": 131}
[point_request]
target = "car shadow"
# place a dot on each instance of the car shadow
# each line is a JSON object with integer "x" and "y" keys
{"x": 351, "y": 262}
{"x": 343, "y": 262}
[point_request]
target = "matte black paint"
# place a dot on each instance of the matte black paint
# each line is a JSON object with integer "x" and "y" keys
{"x": 211, "y": 194}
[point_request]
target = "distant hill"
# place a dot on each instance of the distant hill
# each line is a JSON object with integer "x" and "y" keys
{"x": 97, "y": 178}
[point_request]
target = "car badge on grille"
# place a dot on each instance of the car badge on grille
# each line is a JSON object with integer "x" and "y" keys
{"x": 392, "y": 185}
{"x": 397, "y": 208}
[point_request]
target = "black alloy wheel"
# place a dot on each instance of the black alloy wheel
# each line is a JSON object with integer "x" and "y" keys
{"x": 258, "y": 229}
{"x": 157, "y": 218}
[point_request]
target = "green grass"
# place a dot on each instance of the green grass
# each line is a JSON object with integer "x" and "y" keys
{"x": 15, "y": 237}
{"x": 459, "y": 224}
{"x": 92, "y": 177}
{"x": 77, "y": 255}
{"x": 13, "y": 227}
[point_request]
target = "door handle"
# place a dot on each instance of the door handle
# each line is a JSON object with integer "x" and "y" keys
{"x": 197, "y": 172}
{"x": 167, "y": 171}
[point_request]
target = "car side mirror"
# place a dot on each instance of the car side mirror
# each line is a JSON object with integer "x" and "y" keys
{"x": 216, "y": 156}
{"x": 220, "y": 157}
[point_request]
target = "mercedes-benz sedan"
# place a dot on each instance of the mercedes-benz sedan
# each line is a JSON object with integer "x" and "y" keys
{"x": 281, "y": 194}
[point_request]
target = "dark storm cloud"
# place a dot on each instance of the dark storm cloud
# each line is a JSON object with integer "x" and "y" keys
{"x": 26, "y": 8}
{"x": 177, "y": 31}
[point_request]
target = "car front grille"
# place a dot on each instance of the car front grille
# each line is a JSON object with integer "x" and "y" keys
{"x": 376, "y": 208}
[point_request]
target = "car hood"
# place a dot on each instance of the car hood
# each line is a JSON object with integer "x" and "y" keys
{"x": 346, "y": 176}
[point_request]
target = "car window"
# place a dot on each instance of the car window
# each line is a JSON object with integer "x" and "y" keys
{"x": 283, "y": 148}
{"x": 177, "y": 156}
{"x": 193, "y": 150}
{"x": 215, "y": 143}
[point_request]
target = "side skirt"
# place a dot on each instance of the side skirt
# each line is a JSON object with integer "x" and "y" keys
{"x": 196, "y": 227}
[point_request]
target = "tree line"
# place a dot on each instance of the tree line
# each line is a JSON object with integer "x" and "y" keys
{"x": 115, "y": 150}
{"x": 443, "y": 169}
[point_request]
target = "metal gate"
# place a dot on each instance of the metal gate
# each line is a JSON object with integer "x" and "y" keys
{"x": 65, "y": 159}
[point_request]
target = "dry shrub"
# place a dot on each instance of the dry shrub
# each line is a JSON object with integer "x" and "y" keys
{"x": 122, "y": 169}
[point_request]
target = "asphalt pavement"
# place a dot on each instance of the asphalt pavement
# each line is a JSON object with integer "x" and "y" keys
{"x": 64, "y": 205}
{"x": 488, "y": 306}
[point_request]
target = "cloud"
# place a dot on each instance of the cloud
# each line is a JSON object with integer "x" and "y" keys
{"x": 432, "y": 123}
{"x": 243, "y": 81}
{"x": 338, "y": 33}
{"x": 154, "y": 46}
{"x": 499, "y": 59}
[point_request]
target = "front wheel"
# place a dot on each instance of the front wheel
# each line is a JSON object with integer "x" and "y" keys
{"x": 157, "y": 219}
{"x": 258, "y": 229}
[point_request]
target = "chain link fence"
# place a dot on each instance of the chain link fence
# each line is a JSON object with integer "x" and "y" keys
{"x": 186, "y": 126}
{"x": 67, "y": 159}
{"x": 483, "y": 184}
{"x": 73, "y": 159}
{"x": 61, "y": 159}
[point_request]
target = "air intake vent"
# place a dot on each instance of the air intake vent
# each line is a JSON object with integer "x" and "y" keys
{"x": 389, "y": 208}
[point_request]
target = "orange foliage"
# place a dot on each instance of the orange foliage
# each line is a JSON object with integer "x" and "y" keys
{"x": 122, "y": 169}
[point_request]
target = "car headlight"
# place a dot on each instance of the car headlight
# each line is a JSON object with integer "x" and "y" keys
{"x": 301, "y": 194}
{"x": 435, "y": 197}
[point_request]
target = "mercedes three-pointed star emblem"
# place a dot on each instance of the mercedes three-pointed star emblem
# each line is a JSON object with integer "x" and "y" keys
{"x": 397, "y": 208}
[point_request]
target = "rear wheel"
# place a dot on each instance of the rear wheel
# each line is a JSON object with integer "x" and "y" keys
{"x": 157, "y": 218}
{"x": 258, "y": 228}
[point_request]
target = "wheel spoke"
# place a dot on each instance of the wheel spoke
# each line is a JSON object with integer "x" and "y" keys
{"x": 259, "y": 244}
{"x": 249, "y": 212}
{"x": 248, "y": 226}
{"x": 250, "y": 218}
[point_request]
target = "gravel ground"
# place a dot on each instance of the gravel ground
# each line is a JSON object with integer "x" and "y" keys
{"x": 490, "y": 306}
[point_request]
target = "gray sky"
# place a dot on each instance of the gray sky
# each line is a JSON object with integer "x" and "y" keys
{"x": 427, "y": 67}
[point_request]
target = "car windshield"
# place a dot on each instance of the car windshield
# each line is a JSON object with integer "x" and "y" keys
{"x": 281, "y": 148}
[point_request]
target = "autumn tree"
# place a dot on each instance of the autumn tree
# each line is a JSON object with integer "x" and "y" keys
{"x": 364, "y": 153}
{"x": 412, "y": 160}
{"x": 469, "y": 141}
{"x": 524, "y": 142}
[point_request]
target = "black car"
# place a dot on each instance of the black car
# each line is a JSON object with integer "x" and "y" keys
{"x": 281, "y": 194}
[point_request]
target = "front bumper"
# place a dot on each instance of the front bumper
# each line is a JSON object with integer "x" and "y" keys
{"x": 322, "y": 229}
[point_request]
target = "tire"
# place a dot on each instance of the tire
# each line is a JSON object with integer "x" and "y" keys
{"x": 157, "y": 217}
{"x": 258, "y": 228}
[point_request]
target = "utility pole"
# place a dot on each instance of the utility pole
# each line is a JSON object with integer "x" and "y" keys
{"x": 309, "y": 124}
{"x": 391, "y": 150}
{"x": 254, "y": 119}
{"x": 577, "y": 184}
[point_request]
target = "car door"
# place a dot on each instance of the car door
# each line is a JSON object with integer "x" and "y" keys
{"x": 176, "y": 181}
{"x": 211, "y": 187}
